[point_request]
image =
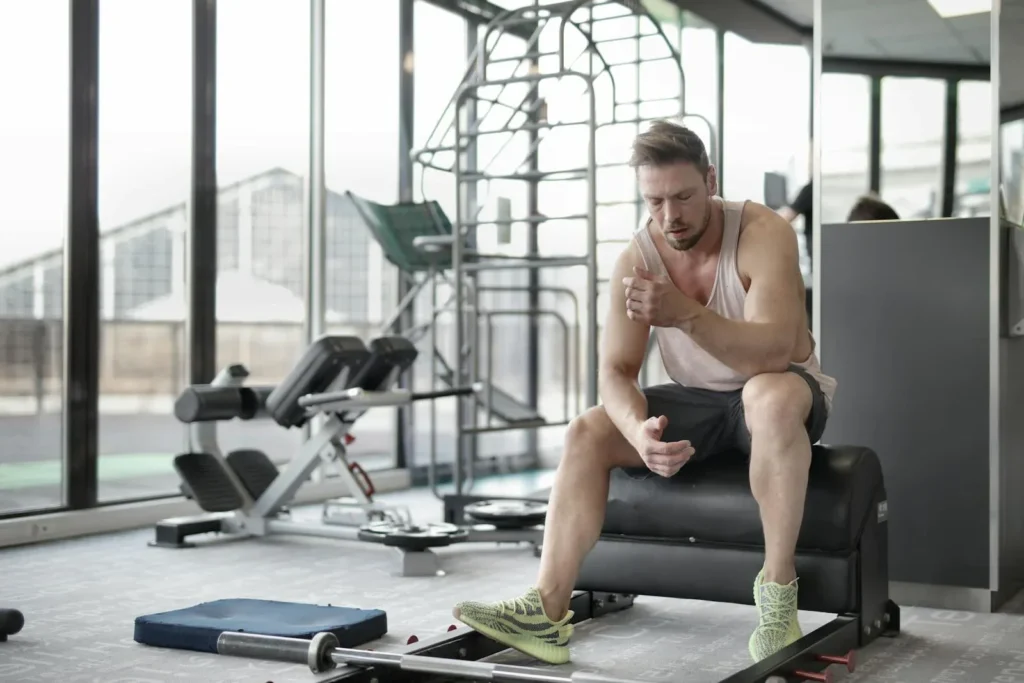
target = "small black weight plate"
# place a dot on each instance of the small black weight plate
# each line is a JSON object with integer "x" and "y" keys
{"x": 412, "y": 536}
{"x": 423, "y": 537}
{"x": 374, "y": 532}
{"x": 508, "y": 514}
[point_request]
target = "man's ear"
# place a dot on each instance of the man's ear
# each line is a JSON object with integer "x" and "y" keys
{"x": 712, "y": 181}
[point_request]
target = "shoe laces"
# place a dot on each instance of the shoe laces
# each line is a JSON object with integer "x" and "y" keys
{"x": 777, "y": 610}
{"x": 518, "y": 605}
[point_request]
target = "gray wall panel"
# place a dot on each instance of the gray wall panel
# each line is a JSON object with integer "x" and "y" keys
{"x": 905, "y": 331}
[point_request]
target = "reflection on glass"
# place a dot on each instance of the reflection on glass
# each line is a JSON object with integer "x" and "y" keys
{"x": 915, "y": 167}
{"x": 972, "y": 196}
{"x": 144, "y": 175}
{"x": 1013, "y": 170}
{"x": 33, "y": 184}
{"x": 845, "y": 143}
{"x": 913, "y": 120}
{"x": 1011, "y": 99}
{"x": 776, "y": 139}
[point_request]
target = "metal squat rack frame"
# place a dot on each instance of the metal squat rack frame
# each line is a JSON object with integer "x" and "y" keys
{"x": 603, "y": 28}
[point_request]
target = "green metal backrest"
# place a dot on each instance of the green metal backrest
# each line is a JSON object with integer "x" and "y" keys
{"x": 396, "y": 226}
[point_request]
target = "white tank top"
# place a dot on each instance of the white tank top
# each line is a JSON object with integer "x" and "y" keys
{"x": 685, "y": 361}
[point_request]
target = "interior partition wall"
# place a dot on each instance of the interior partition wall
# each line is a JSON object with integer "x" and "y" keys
{"x": 915, "y": 319}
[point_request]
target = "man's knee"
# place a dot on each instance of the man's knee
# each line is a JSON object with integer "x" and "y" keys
{"x": 592, "y": 435}
{"x": 776, "y": 401}
{"x": 589, "y": 427}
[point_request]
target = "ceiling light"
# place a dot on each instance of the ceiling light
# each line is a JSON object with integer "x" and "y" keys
{"x": 959, "y": 8}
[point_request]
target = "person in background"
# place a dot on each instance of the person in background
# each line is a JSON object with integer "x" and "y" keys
{"x": 802, "y": 205}
{"x": 871, "y": 208}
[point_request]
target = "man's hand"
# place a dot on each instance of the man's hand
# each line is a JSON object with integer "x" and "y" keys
{"x": 661, "y": 458}
{"x": 655, "y": 301}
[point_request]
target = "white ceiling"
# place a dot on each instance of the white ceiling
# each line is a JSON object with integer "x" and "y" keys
{"x": 911, "y": 30}
{"x": 800, "y": 11}
{"x": 903, "y": 30}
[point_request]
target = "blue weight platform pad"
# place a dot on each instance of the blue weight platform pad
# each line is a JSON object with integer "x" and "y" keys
{"x": 198, "y": 627}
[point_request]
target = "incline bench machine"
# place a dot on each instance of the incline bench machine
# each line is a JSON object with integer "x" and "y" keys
{"x": 694, "y": 536}
{"x": 243, "y": 492}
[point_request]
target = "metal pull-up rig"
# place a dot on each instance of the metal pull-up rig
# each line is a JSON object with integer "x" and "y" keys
{"x": 514, "y": 97}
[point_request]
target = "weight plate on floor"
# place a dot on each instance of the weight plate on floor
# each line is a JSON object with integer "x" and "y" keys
{"x": 508, "y": 514}
{"x": 412, "y": 536}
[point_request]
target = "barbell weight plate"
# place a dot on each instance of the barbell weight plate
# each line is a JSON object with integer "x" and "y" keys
{"x": 386, "y": 527}
{"x": 370, "y": 535}
{"x": 412, "y": 536}
{"x": 375, "y": 532}
{"x": 508, "y": 514}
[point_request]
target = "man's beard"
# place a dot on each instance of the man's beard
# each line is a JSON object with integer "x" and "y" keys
{"x": 687, "y": 243}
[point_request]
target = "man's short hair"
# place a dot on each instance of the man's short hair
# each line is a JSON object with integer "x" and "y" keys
{"x": 871, "y": 208}
{"x": 665, "y": 143}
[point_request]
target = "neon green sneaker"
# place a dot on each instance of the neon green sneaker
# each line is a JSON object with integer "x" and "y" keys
{"x": 777, "y": 624}
{"x": 520, "y": 623}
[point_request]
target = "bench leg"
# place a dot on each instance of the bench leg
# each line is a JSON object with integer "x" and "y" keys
{"x": 877, "y": 613}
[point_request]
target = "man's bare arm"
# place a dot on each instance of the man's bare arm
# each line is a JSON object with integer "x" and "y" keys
{"x": 764, "y": 340}
{"x": 624, "y": 346}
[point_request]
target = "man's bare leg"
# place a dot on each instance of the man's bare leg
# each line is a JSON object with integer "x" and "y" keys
{"x": 537, "y": 622}
{"x": 593, "y": 448}
{"x": 777, "y": 406}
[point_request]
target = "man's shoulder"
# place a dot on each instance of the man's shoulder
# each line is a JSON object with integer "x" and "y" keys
{"x": 758, "y": 220}
{"x": 764, "y": 236}
{"x": 750, "y": 211}
{"x": 629, "y": 256}
{"x": 754, "y": 211}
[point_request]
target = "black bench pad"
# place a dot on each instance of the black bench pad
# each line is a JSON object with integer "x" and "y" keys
{"x": 711, "y": 502}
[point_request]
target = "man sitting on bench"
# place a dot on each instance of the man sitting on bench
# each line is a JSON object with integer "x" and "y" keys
{"x": 719, "y": 283}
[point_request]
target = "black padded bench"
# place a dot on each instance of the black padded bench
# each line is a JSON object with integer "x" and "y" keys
{"x": 698, "y": 536}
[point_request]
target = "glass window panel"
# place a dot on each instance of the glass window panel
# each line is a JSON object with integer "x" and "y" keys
{"x": 699, "y": 53}
{"x": 439, "y": 66}
{"x": 34, "y": 63}
{"x": 775, "y": 139}
{"x": 361, "y": 156}
{"x": 761, "y": 139}
{"x": 144, "y": 172}
{"x": 263, "y": 101}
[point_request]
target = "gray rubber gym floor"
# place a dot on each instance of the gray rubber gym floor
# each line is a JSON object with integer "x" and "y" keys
{"x": 80, "y": 598}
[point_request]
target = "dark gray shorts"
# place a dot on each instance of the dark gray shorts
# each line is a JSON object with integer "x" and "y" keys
{"x": 714, "y": 421}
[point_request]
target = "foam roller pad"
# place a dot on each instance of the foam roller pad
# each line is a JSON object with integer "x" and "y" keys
{"x": 197, "y": 627}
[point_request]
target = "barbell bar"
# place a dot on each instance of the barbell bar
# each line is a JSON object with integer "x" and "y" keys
{"x": 323, "y": 654}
